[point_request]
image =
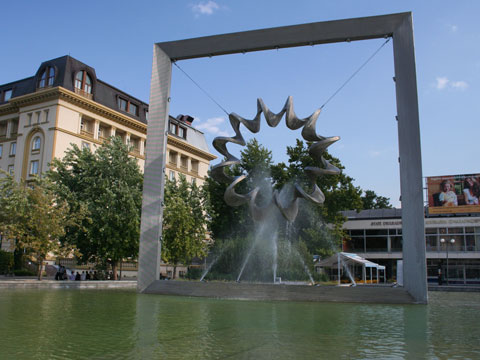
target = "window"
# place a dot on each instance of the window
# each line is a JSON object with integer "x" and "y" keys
{"x": 135, "y": 143}
{"x": 85, "y": 145}
{"x": 29, "y": 118}
{"x": 83, "y": 82}
{"x": 34, "y": 167}
{"x": 194, "y": 181}
{"x": 182, "y": 132}
{"x": 172, "y": 175}
{"x": 103, "y": 132}
{"x": 127, "y": 106}
{"x": 194, "y": 166}
{"x": 122, "y": 104}
{"x": 86, "y": 127}
{"x": 36, "y": 143}
{"x": 173, "y": 158}
{"x": 3, "y": 128}
{"x": 45, "y": 113}
{"x": 1, "y": 150}
{"x": 47, "y": 77}
{"x": 14, "y": 130}
{"x": 7, "y": 95}
{"x": 173, "y": 128}
{"x": 13, "y": 149}
{"x": 133, "y": 109}
{"x": 184, "y": 163}
{"x": 10, "y": 169}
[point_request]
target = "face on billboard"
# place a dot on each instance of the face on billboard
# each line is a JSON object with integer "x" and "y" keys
{"x": 453, "y": 194}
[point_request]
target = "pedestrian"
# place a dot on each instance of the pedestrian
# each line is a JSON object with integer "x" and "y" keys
{"x": 78, "y": 277}
{"x": 72, "y": 276}
{"x": 58, "y": 273}
{"x": 83, "y": 276}
{"x": 63, "y": 273}
{"x": 87, "y": 276}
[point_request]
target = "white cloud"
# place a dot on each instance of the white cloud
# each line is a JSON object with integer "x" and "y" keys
{"x": 461, "y": 85}
{"x": 453, "y": 28}
{"x": 205, "y": 8}
{"x": 212, "y": 126}
{"x": 441, "y": 83}
{"x": 374, "y": 153}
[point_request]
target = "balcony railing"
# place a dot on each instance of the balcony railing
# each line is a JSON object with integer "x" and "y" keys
{"x": 87, "y": 133}
{"x": 83, "y": 93}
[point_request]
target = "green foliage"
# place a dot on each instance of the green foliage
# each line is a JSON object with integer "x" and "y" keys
{"x": 316, "y": 230}
{"x": 373, "y": 201}
{"x": 185, "y": 222}
{"x": 107, "y": 186}
{"x": 230, "y": 222}
{"x": 340, "y": 194}
{"x": 23, "y": 272}
{"x": 194, "y": 273}
{"x": 6, "y": 262}
{"x": 35, "y": 217}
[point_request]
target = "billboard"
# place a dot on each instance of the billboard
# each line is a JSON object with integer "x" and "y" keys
{"x": 453, "y": 194}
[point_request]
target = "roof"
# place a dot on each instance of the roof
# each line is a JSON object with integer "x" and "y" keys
{"x": 66, "y": 67}
{"x": 348, "y": 258}
{"x": 194, "y": 137}
{"x": 373, "y": 214}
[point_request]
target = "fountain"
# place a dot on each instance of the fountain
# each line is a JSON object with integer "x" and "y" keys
{"x": 286, "y": 200}
{"x": 275, "y": 206}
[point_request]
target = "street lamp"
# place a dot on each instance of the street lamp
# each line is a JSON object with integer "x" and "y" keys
{"x": 443, "y": 241}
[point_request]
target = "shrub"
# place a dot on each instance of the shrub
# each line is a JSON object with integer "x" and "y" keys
{"x": 194, "y": 273}
{"x": 24, "y": 272}
{"x": 6, "y": 262}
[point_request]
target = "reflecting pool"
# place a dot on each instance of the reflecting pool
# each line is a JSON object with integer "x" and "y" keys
{"x": 91, "y": 324}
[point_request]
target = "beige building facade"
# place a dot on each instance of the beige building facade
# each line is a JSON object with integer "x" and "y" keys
{"x": 64, "y": 103}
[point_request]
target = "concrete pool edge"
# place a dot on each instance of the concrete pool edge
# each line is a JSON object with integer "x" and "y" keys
{"x": 280, "y": 292}
{"x": 52, "y": 284}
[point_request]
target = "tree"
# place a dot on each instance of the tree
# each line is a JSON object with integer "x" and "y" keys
{"x": 231, "y": 222}
{"x": 185, "y": 223}
{"x": 340, "y": 194}
{"x": 108, "y": 184}
{"x": 373, "y": 201}
{"x": 35, "y": 217}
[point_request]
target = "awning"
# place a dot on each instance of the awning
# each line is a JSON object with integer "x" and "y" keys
{"x": 346, "y": 260}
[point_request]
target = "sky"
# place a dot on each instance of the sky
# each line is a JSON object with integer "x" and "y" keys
{"x": 117, "y": 38}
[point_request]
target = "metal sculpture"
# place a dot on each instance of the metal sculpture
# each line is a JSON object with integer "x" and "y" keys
{"x": 288, "y": 208}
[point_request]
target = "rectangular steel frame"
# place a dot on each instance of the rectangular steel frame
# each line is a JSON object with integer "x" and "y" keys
{"x": 398, "y": 26}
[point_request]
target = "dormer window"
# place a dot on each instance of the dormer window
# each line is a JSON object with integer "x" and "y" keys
{"x": 133, "y": 109}
{"x": 83, "y": 84}
{"x": 178, "y": 130}
{"x": 7, "y": 94}
{"x": 127, "y": 106}
{"x": 47, "y": 77}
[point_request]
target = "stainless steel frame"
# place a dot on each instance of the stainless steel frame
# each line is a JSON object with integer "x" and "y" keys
{"x": 399, "y": 26}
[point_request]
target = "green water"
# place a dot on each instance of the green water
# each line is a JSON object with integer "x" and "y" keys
{"x": 91, "y": 324}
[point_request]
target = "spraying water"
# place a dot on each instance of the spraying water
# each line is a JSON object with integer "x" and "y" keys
{"x": 247, "y": 258}
{"x": 275, "y": 255}
{"x": 205, "y": 272}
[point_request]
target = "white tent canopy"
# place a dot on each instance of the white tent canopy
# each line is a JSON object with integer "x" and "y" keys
{"x": 350, "y": 260}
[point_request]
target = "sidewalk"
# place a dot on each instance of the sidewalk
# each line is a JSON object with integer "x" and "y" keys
{"x": 454, "y": 288}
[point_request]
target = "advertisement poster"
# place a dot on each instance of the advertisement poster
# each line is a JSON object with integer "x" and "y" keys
{"x": 453, "y": 194}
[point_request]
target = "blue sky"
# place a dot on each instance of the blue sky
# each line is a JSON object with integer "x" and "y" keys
{"x": 117, "y": 37}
